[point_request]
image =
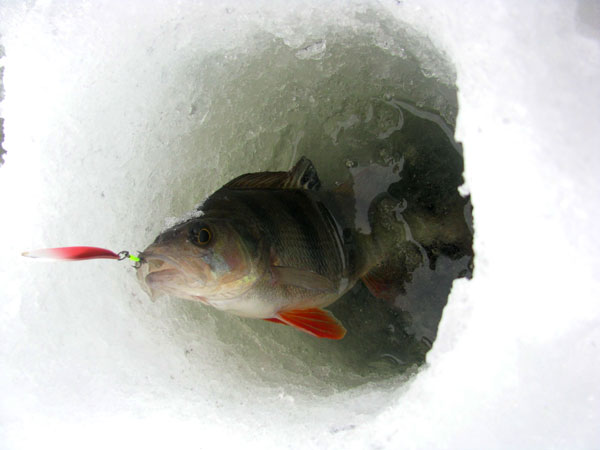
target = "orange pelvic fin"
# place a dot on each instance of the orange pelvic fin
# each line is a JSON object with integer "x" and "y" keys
{"x": 315, "y": 321}
{"x": 275, "y": 320}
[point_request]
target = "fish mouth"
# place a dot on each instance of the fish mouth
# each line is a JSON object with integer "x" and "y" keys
{"x": 159, "y": 278}
{"x": 160, "y": 273}
{"x": 156, "y": 261}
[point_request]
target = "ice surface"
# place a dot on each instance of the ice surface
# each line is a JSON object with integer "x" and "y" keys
{"x": 102, "y": 105}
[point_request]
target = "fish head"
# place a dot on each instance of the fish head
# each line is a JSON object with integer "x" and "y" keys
{"x": 201, "y": 259}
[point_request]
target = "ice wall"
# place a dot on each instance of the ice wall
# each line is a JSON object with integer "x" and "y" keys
{"x": 100, "y": 112}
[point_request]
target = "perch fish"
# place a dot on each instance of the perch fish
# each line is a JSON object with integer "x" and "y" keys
{"x": 270, "y": 246}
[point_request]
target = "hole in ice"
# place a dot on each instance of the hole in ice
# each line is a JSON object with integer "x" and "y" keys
{"x": 360, "y": 113}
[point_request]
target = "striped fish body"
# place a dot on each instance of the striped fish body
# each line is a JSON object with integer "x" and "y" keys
{"x": 268, "y": 245}
{"x": 310, "y": 256}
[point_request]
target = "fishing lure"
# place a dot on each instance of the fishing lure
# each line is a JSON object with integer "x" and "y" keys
{"x": 79, "y": 253}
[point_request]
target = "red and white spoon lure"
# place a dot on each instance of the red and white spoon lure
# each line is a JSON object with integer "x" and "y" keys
{"x": 79, "y": 253}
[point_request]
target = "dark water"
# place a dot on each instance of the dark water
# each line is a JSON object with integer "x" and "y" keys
{"x": 434, "y": 245}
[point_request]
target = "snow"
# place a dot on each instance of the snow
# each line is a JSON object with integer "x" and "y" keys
{"x": 102, "y": 105}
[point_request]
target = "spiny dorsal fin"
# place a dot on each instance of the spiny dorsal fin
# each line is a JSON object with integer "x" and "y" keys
{"x": 302, "y": 176}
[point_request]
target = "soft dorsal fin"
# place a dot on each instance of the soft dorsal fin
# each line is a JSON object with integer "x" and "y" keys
{"x": 302, "y": 176}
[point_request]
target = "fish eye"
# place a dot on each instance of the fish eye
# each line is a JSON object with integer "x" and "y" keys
{"x": 201, "y": 236}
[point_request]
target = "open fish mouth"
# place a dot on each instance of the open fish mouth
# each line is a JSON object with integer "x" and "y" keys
{"x": 159, "y": 278}
{"x": 160, "y": 273}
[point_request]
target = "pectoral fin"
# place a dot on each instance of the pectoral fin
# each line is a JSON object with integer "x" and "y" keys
{"x": 314, "y": 321}
{"x": 302, "y": 278}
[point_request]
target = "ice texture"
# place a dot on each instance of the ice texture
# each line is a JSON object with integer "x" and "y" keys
{"x": 103, "y": 102}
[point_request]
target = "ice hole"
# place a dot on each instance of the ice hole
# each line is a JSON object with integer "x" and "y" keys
{"x": 263, "y": 110}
